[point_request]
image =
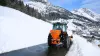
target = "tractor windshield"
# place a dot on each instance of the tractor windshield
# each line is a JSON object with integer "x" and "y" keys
{"x": 60, "y": 27}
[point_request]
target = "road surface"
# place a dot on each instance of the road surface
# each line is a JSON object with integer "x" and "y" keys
{"x": 38, "y": 50}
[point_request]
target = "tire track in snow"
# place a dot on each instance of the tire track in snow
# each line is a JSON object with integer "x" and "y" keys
{"x": 79, "y": 50}
{"x": 75, "y": 50}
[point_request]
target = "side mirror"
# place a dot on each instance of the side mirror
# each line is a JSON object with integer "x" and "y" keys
{"x": 71, "y": 36}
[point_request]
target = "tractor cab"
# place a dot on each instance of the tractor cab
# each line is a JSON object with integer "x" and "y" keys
{"x": 60, "y": 26}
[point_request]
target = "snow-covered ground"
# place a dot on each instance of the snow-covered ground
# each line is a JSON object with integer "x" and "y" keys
{"x": 18, "y": 30}
{"x": 81, "y": 47}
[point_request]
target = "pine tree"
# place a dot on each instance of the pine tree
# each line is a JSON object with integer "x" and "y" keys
{"x": 3, "y": 2}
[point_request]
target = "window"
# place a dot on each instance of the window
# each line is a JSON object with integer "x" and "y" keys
{"x": 60, "y": 27}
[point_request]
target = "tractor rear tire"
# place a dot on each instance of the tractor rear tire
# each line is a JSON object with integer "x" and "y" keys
{"x": 65, "y": 42}
{"x": 68, "y": 43}
{"x": 49, "y": 40}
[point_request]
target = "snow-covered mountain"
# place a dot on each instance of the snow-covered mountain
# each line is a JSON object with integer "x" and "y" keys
{"x": 87, "y": 13}
{"x": 49, "y": 11}
{"x": 44, "y": 7}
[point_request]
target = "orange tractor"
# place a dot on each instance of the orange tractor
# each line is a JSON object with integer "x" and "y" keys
{"x": 58, "y": 35}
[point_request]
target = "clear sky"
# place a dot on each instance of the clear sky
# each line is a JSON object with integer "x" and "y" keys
{"x": 76, "y": 4}
{"x": 68, "y": 4}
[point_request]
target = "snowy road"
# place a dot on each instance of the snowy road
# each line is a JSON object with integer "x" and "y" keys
{"x": 38, "y": 50}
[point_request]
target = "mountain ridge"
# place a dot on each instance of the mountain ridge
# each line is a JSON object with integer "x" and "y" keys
{"x": 87, "y": 13}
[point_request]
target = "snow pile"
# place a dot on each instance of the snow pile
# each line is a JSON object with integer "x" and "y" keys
{"x": 70, "y": 25}
{"x": 18, "y": 30}
{"x": 81, "y": 47}
{"x": 96, "y": 42}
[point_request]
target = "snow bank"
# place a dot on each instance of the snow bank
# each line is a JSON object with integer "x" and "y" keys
{"x": 81, "y": 47}
{"x": 18, "y": 30}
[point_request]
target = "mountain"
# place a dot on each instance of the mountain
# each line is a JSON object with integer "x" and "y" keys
{"x": 91, "y": 29}
{"x": 87, "y": 13}
{"x": 81, "y": 25}
{"x": 49, "y": 11}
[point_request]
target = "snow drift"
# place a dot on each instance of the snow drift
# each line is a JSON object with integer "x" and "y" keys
{"x": 81, "y": 47}
{"x": 18, "y": 30}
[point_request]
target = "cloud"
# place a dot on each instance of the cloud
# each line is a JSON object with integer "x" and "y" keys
{"x": 92, "y": 4}
{"x": 88, "y": 1}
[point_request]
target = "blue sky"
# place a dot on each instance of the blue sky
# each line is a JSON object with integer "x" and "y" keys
{"x": 76, "y": 4}
{"x": 68, "y": 4}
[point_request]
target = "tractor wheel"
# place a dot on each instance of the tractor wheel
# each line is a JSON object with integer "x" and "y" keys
{"x": 68, "y": 43}
{"x": 65, "y": 42}
{"x": 49, "y": 40}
